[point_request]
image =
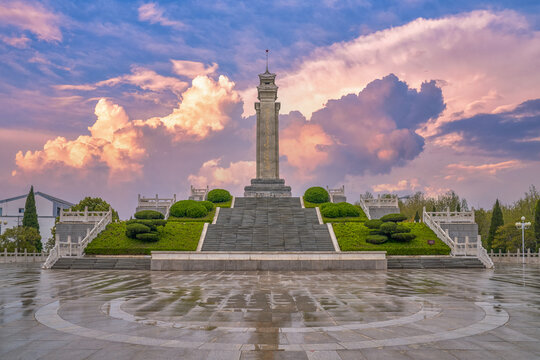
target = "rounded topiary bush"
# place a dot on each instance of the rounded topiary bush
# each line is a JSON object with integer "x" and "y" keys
{"x": 330, "y": 211}
{"x": 394, "y": 218}
{"x": 196, "y": 211}
{"x": 348, "y": 210}
{"x": 323, "y": 205}
{"x": 149, "y": 214}
{"x": 207, "y": 204}
{"x": 374, "y": 232}
{"x": 388, "y": 228}
{"x": 376, "y": 239}
{"x": 148, "y": 237}
{"x": 132, "y": 230}
{"x": 219, "y": 195}
{"x": 317, "y": 195}
{"x": 188, "y": 208}
{"x": 403, "y": 237}
{"x": 400, "y": 228}
{"x": 373, "y": 224}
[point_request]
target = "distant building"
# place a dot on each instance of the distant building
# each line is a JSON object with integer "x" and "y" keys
{"x": 48, "y": 208}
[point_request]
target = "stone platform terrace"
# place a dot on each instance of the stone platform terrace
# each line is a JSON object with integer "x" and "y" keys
{"x": 336, "y": 315}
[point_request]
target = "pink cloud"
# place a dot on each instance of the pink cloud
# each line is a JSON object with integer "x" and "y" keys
{"x": 192, "y": 69}
{"x": 492, "y": 168}
{"x": 154, "y": 15}
{"x": 19, "y": 42}
{"x": 233, "y": 177}
{"x": 33, "y": 17}
{"x": 147, "y": 80}
{"x": 401, "y": 185}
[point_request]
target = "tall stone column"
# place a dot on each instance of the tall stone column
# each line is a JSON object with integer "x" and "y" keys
{"x": 267, "y": 183}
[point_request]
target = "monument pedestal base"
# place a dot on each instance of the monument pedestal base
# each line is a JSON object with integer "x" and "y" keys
{"x": 267, "y": 188}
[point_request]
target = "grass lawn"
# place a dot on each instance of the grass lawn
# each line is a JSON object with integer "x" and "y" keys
{"x": 174, "y": 236}
{"x": 352, "y": 237}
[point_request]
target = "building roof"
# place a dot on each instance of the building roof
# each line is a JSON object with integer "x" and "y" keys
{"x": 46, "y": 196}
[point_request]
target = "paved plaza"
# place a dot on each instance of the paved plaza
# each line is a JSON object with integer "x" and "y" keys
{"x": 394, "y": 314}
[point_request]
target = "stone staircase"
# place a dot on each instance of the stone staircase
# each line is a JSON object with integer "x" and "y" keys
{"x": 267, "y": 224}
{"x": 108, "y": 263}
{"x": 437, "y": 262}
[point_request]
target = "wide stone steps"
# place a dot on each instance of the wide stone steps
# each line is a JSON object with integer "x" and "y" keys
{"x": 450, "y": 262}
{"x": 108, "y": 263}
{"x": 267, "y": 224}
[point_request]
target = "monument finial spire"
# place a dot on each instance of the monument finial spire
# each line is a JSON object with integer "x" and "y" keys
{"x": 266, "y": 60}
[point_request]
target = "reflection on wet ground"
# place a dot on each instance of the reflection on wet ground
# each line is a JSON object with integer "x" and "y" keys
{"x": 397, "y": 314}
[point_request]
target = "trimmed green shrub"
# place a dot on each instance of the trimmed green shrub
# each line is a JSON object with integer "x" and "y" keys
{"x": 376, "y": 239}
{"x": 196, "y": 211}
{"x": 323, "y": 205}
{"x": 348, "y": 210}
{"x": 148, "y": 237}
{"x": 219, "y": 195}
{"x": 374, "y": 232}
{"x": 132, "y": 230}
{"x": 403, "y": 237}
{"x": 207, "y": 204}
{"x": 330, "y": 211}
{"x": 152, "y": 224}
{"x": 388, "y": 228}
{"x": 373, "y": 224}
{"x": 149, "y": 214}
{"x": 342, "y": 209}
{"x": 394, "y": 218}
{"x": 400, "y": 228}
{"x": 317, "y": 195}
{"x": 187, "y": 208}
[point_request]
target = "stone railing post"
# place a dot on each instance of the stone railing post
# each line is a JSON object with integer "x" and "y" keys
{"x": 85, "y": 214}
{"x": 528, "y": 253}
{"x": 69, "y": 244}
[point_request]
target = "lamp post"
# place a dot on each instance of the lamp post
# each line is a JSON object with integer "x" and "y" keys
{"x": 523, "y": 225}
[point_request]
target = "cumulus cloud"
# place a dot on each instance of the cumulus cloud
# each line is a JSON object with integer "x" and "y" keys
{"x": 113, "y": 141}
{"x": 513, "y": 133}
{"x": 372, "y": 131}
{"x": 118, "y": 143}
{"x": 32, "y": 17}
{"x": 235, "y": 176}
{"x": 192, "y": 69}
{"x": 154, "y": 15}
{"x": 462, "y": 52}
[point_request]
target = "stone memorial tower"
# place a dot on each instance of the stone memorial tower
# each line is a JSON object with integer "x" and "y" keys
{"x": 267, "y": 183}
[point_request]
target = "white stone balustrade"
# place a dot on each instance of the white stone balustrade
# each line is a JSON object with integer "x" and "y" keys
{"x": 67, "y": 216}
{"x": 381, "y": 201}
{"x": 452, "y": 217}
{"x": 199, "y": 194}
{"x": 337, "y": 195}
{"x": 154, "y": 202}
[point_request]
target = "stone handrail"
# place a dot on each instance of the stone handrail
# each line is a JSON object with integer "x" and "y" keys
{"x": 100, "y": 226}
{"x": 81, "y": 216}
{"x": 483, "y": 256}
{"x": 364, "y": 207}
{"x": 441, "y": 234}
{"x": 64, "y": 249}
{"x": 155, "y": 201}
{"x": 450, "y": 217}
{"x": 381, "y": 202}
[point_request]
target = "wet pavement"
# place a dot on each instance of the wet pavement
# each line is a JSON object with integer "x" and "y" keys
{"x": 394, "y": 314}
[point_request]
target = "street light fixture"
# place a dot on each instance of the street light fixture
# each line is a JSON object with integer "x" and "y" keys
{"x": 523, "y": 225}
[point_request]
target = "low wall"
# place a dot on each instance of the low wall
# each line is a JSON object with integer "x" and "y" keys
{"x": 274, "y": 261}
{"x": 514, "y": 258}
{"x": 378, "y": 212}
{"x": 21, "y": 257}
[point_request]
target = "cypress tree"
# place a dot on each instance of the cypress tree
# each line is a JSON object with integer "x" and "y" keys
{"x": 496, "y": 221}
{"x": 30, "y": 218}
{"x": 537, "y": 222}
{"x": 416, "y": 217}
{"x": 458, "y": 207}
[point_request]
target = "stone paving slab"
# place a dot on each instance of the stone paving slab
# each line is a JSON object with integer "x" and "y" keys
{"x": 396, "y": 314}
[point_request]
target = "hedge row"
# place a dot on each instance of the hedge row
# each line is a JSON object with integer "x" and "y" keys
{"x": 342, "y": 209}
{"x": 191, "y": 208}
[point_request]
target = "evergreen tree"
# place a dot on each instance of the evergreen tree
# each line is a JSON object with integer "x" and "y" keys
{"x": 458, "y": 207}
{"x": 30, "y": 218}
{"x": 496, "y": 221}
{"x": 537, "y": 222}
{"x": 433, "y": 209}
{"x": 416, "y": 217}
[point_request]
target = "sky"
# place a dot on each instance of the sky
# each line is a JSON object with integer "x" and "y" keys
{"x": 118, "y": 98}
